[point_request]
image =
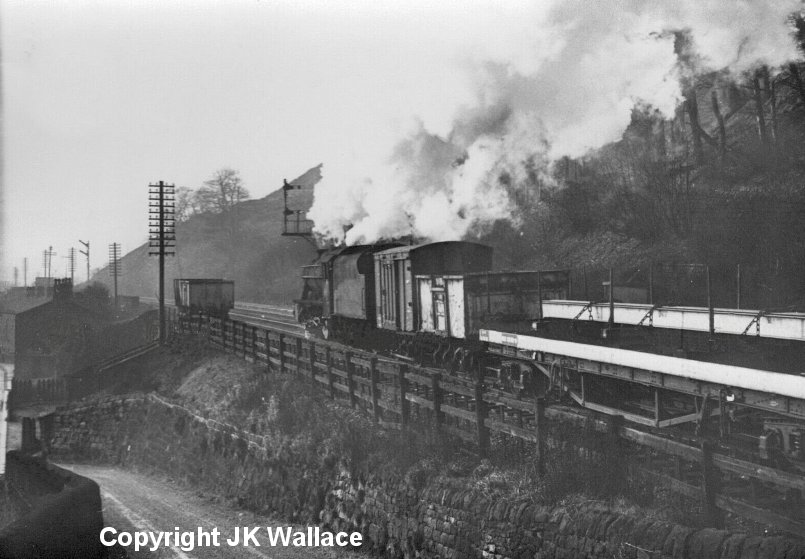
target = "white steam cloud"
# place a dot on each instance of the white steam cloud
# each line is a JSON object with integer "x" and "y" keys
{"x": 547, "y": 81}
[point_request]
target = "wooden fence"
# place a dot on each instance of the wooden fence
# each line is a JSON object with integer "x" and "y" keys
{"x": 471, "y": 407}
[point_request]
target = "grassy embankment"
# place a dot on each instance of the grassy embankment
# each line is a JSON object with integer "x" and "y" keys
{"x": 302, "y": 425}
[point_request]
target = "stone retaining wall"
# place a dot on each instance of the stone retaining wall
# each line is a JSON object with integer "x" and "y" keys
{"x": 399, "y": 518}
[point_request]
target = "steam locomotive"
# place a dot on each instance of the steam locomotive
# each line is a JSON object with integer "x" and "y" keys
{"x": 426, "y": 301}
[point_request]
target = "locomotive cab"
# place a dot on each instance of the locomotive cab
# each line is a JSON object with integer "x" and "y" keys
{"x": 338, "y": 296}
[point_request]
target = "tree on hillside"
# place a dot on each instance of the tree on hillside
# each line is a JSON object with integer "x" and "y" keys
{"x": 186, "y": 203}
{"x": 221, "y": 195}
{"x": 222, "y": 192}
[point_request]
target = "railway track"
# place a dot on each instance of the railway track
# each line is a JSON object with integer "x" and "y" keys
{"x": 275, "y": 317}
{"x": 751, "y": 323}
{"x": 268, "y": 317}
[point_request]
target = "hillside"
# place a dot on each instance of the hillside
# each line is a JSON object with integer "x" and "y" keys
{"x": 263, "y": 263}
{"x": 717, "y": 184}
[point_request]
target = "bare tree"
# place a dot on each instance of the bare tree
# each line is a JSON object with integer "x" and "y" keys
{"x": 186, "y": 203}
{"x": 222, "y": 192}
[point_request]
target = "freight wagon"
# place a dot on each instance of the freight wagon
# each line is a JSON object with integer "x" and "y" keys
{"x": 214, "y": 297}
{"x": 398, "y": 305}
{"x": 459, "y": 305}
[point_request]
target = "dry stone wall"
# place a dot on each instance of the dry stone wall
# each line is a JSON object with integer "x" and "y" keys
{"x": 398, "y": 517}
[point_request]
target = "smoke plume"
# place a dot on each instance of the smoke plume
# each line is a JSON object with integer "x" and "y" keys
{"x": 545, "y": 82}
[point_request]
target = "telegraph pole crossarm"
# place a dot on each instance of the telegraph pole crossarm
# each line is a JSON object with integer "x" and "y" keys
{"x": 85, "y": 253}
{"x": 161, "y": 236}
{"x": 115, "y": 268}
{"x": 71, "y": 264}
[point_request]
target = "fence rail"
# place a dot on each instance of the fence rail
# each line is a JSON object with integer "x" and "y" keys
{"x": 475, "y": 407}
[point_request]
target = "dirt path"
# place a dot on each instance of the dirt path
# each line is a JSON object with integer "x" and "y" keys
{"x": 135, "y": 502}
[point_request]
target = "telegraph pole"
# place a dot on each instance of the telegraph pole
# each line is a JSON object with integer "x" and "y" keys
{"x": 71, "y": 264}
{"x": 161, "y": 236}
{"x": 47, "y": 257}
{"x": 85, "y": 253}
{"x": 25, "y": 271}
{"x": 50, "y": 254}
{"x": 114, "y": 266}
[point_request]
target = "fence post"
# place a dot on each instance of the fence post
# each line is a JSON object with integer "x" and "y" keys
{"x": 539, "y": 295}
{"x": 281, "y": 345}
{"x": 404, "y": 407}
{"x": 613, "y": 451}
{"x": 254, "y": 343}
{"x": 614, "y": 423}
{"x": 328, "y": 360}
{"x": 480, "y": 413}
{"x": 539, "y": 425}
{"x": 586, "y": 287}
{"x": 311, "y": 348}
{"x": 223, "y": 333}
{"x": 611, "y": 299}
{"x": 710, "y": 310}
{"x": 437, "y": 400}
{"x": 374, "y": 389}
{"x": 298, "y": 361}
{"x": 710, "y": 487}
{"x": 353, "y": 403}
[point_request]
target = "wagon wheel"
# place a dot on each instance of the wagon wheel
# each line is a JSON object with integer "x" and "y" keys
{"x": 455, "y": 360}
{"x": 445, "y": 358}
{"x": 435, "y": 356}
{"x": 404, "y": 347}
{"x": 469, "y": 361}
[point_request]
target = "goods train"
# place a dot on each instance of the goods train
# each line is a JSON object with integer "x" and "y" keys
{"x": 426, "y": 301}
{"x": 441, "y": 304}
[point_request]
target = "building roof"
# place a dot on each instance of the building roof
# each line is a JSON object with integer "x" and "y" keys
{"x": 14, "y": 304}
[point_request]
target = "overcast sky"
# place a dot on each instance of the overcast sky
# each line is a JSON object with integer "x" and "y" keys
{"x": 101, "y": 98}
